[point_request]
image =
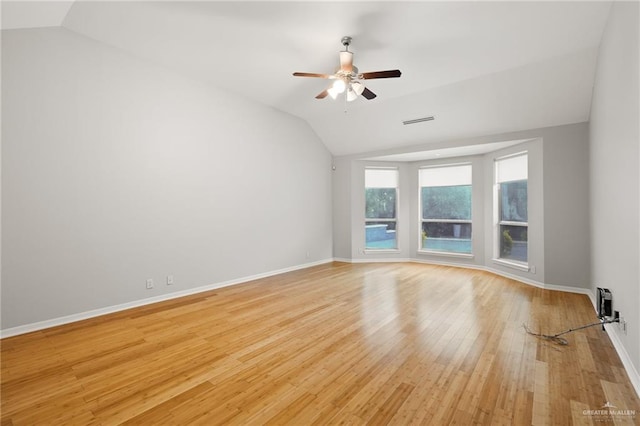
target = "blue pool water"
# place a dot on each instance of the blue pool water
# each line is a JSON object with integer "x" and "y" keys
{"x": 435, "y": 244}
{"x": 382, "y": 244}
{"x": 453, "y": 245}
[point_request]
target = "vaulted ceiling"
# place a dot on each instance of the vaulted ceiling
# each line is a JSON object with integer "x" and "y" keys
{"x": 478, "y": 67}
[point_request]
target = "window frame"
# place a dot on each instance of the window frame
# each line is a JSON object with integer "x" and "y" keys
{"x": 394, "y": 220}
{"x": 422, "y": 220}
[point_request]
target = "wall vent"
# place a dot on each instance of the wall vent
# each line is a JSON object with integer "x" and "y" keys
{"x": 418, "y": 120}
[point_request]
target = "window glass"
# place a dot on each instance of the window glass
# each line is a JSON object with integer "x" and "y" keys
{"x": 512, "y": 192}
{"x": 380, "y": 203}
{"x": 513, "y": 201}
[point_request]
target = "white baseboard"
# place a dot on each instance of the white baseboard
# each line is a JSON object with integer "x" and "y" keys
{"x": 41, "y": 325}
{"x": 634, "y": 377}
{"x": 565, "y": 288}
{"x": 568, "y": 289}
{"x": 381, "y": 260}
{"x": 613, "y": 332}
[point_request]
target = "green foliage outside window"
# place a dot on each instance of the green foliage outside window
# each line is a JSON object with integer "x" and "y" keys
{"x": 380, "y": 203}
{"x": 514, "y": 201}
{"x": 507, "y": 243}
{"x": 446, "y": 202}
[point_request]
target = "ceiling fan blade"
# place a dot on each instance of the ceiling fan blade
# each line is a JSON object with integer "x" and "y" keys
{"x": 368, "y": 94}
{"x": 311, "y": 74}
{"x": 322, "y": 94}
{"x": 346, "y": 61}
{"x": 380, "y": 74}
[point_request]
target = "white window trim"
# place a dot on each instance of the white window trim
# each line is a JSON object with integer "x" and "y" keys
{"x": 516, "y": 154}
{"x": 446, "y": 253}
{"x": 377, "y": 251}
{"x": 511, "y": 223}
{"x": 448, "y": 220}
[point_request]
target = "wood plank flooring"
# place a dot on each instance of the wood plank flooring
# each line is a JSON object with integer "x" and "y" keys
{"x": 395, "y": 344}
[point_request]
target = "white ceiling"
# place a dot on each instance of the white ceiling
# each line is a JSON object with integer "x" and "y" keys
{"x": 33, "y": 14}
{"x": 479, "y": 67}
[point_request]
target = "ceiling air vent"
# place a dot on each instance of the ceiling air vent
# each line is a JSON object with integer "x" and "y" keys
{"x": 418, "y": 120}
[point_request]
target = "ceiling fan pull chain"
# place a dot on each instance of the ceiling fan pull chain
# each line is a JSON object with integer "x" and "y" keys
{"x": 345, "y": 101}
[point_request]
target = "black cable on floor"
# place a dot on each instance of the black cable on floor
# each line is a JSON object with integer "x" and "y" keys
{"x": 561, "y": 340}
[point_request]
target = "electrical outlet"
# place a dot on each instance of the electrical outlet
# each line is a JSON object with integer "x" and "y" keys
{"x": 169, "y": 279}
{"x": 149, "y": 283}
{"x": 622, "y": 323}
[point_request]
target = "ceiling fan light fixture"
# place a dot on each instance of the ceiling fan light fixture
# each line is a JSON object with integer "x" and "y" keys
{"x": 339, "y": 85}
{"x": 346, "y": 77}
{"x": 351, "y": 95}
{"x": 357, "y": 87}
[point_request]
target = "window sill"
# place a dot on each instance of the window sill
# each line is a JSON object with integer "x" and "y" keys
{"x": 447, "y": 254}
{"x": 521, "y": 266}
{"x": 373, "y": 251}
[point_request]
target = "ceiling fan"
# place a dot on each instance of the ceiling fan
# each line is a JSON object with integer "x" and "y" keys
{"x": 347, "y": 78}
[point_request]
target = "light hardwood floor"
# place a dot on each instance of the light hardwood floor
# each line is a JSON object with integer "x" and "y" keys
{"x": 334, "y": 344}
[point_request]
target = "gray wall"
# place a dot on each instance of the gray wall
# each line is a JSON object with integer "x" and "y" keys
{"x": 566, "y": 206}
{"x": 341, "y": 179}
{"x": 115, "y": 170}
{"x": 615, "y": 161}
{"x": 559, "y": 219}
